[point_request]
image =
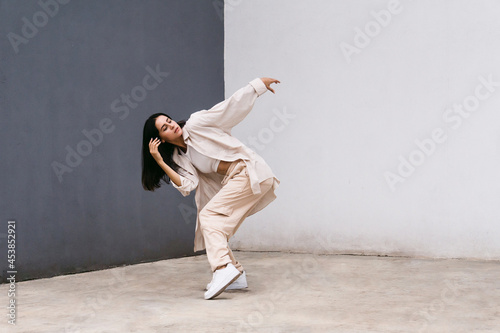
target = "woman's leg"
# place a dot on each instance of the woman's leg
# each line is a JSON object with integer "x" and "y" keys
{"x": 225, "y": 212}
{"x": 235, "y": 262}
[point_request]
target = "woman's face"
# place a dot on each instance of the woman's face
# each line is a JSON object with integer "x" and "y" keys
{"x": 168, "y": 129}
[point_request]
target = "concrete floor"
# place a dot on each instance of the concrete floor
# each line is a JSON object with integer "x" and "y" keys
{"x": 287, "y": 293}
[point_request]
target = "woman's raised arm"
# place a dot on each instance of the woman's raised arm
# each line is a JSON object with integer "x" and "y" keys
{"x": 233, "y": 110}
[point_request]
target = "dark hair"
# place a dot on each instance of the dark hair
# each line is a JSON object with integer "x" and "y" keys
{"x": 152, "y": 173}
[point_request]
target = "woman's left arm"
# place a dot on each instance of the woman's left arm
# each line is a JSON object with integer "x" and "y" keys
{"x": 233, "y": 110}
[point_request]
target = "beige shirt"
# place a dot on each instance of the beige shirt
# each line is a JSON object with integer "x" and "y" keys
{"x": 209, "y": 132}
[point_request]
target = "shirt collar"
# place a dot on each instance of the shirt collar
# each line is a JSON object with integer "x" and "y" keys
{"x": 185, "y": 133}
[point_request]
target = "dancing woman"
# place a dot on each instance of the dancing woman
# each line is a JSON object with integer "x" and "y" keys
{"x": 231, "y": 180}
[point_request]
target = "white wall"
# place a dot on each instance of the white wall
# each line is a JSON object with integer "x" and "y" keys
{"x": 357, "y": 116}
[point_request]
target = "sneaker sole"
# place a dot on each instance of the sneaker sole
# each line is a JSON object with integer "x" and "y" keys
{"x": 235, "y": 288}
{"x": 230, "y": 288}
{"x": 223, "y": 288}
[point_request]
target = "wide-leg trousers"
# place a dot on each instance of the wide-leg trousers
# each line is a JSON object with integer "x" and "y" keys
{"x": 223, "y": 214}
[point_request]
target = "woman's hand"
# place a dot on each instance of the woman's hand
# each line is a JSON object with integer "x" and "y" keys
{"x": 153, "y": 149}
{"x": 267, "y": 81}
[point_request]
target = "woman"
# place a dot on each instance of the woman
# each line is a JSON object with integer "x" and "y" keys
{"x": 231, "y": 180}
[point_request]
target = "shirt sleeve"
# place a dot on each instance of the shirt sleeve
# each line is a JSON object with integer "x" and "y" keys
{"x": 233, "y": 110}
{"x": 187, "y": 185}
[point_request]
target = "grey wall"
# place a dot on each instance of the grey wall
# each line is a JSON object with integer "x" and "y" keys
{"x": 68, "y": 76}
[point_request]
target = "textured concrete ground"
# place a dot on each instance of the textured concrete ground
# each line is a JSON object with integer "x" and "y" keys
{"x": 287, "y": 293}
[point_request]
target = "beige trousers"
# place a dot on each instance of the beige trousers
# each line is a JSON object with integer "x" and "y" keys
{"x": 224, "y": 213}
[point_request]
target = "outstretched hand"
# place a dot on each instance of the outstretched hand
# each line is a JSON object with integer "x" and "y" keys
{"x": 267, "y": 81}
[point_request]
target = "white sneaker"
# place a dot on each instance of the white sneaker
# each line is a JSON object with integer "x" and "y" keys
{"x": 221, "y": 279}
{"x": 240, "y": 283}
